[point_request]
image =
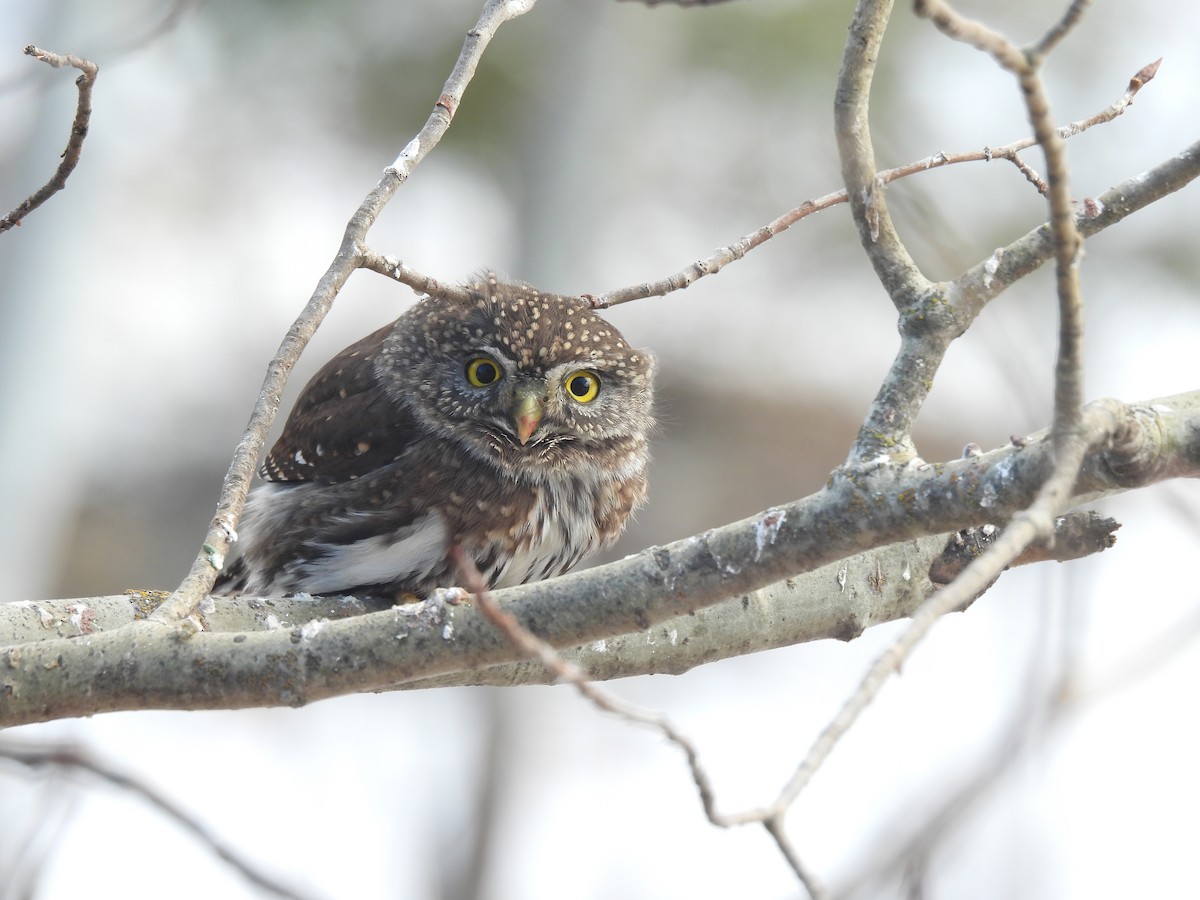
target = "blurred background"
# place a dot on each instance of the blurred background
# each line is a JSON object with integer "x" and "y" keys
{"x": 601, "y": 144}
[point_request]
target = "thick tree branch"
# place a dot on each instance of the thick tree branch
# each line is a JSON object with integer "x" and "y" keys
{"x": 839, "y": 601}
{"x": 139, "y": 666}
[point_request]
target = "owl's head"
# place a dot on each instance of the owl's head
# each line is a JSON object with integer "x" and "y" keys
{"x": 534, "y": 379}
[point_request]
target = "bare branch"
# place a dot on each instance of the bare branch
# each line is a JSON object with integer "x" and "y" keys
{"x": 66, "y": 757}
{"x": 897, "y": 271}
{"x": 1011, "y": 151}
{"x": 533, "y": 647}
{"x": 1026, "y": 526}
{"x": 929, "y": 323}
{"x": 723, "y": 256}
{"x": 1059, "y": 30}
{"x": 775, "y": 827}
{"x": 720, "y": 258}
{"x": 182, "y": 604}
{"x": 1071, "y": 435}
{"x": 837, "y": 601}
{"x": 973, "y": 32}
{"x": 986, "y": 280}
{"x": 422, "y": 284}
{"x": 1066, "y": 237}
{"x": 79, "y": 130}
{"x": 854, "y": 512}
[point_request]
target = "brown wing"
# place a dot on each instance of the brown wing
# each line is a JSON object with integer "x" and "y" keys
{"x": 343, "y": 424}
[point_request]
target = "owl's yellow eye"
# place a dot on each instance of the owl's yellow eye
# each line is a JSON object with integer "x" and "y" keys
{"x": 482, "y": 371}
{"x": 583, "y": 385}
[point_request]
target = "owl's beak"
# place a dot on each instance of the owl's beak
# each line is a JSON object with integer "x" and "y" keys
{"x": 527, "y": 413}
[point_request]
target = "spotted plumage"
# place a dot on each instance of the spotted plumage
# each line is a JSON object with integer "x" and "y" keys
{"x": 512, "y": 424}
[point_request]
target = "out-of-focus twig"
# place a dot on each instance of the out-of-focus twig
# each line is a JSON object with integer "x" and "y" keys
{"x": 723, "y": 256}
{"x": 569, "y": 673}
{"x": 79, "y": 130}
{"x": 1071, "y": 694}
{"x": 63, "y": 756}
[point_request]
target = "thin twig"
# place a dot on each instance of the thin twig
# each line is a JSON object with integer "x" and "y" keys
{"x": 1059, "y": 30}
{"x": 181, "y": 606}
{"x": 720, "y": 258}
{"x": 66, "y": 757}
{"x": 419, "y": 282}
{"x": 168, "y": 21}
{"x": 775, "y": 827}
{"x": 1034, "y": 724}
{"x": 79, "y": 130}
{"x": 569, "y": 673}
{"x": 1071, "y": 437}
{"x": 1011, "y": 152}
{"x": 1068, "y": 242}
{"x": 723, "y": 256}
{"x": 1026, "y": 527}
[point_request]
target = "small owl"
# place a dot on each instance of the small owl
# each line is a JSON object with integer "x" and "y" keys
{"x": 513, "y": 424}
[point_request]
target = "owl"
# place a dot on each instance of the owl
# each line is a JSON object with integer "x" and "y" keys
{"x": 512, "y": 424}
